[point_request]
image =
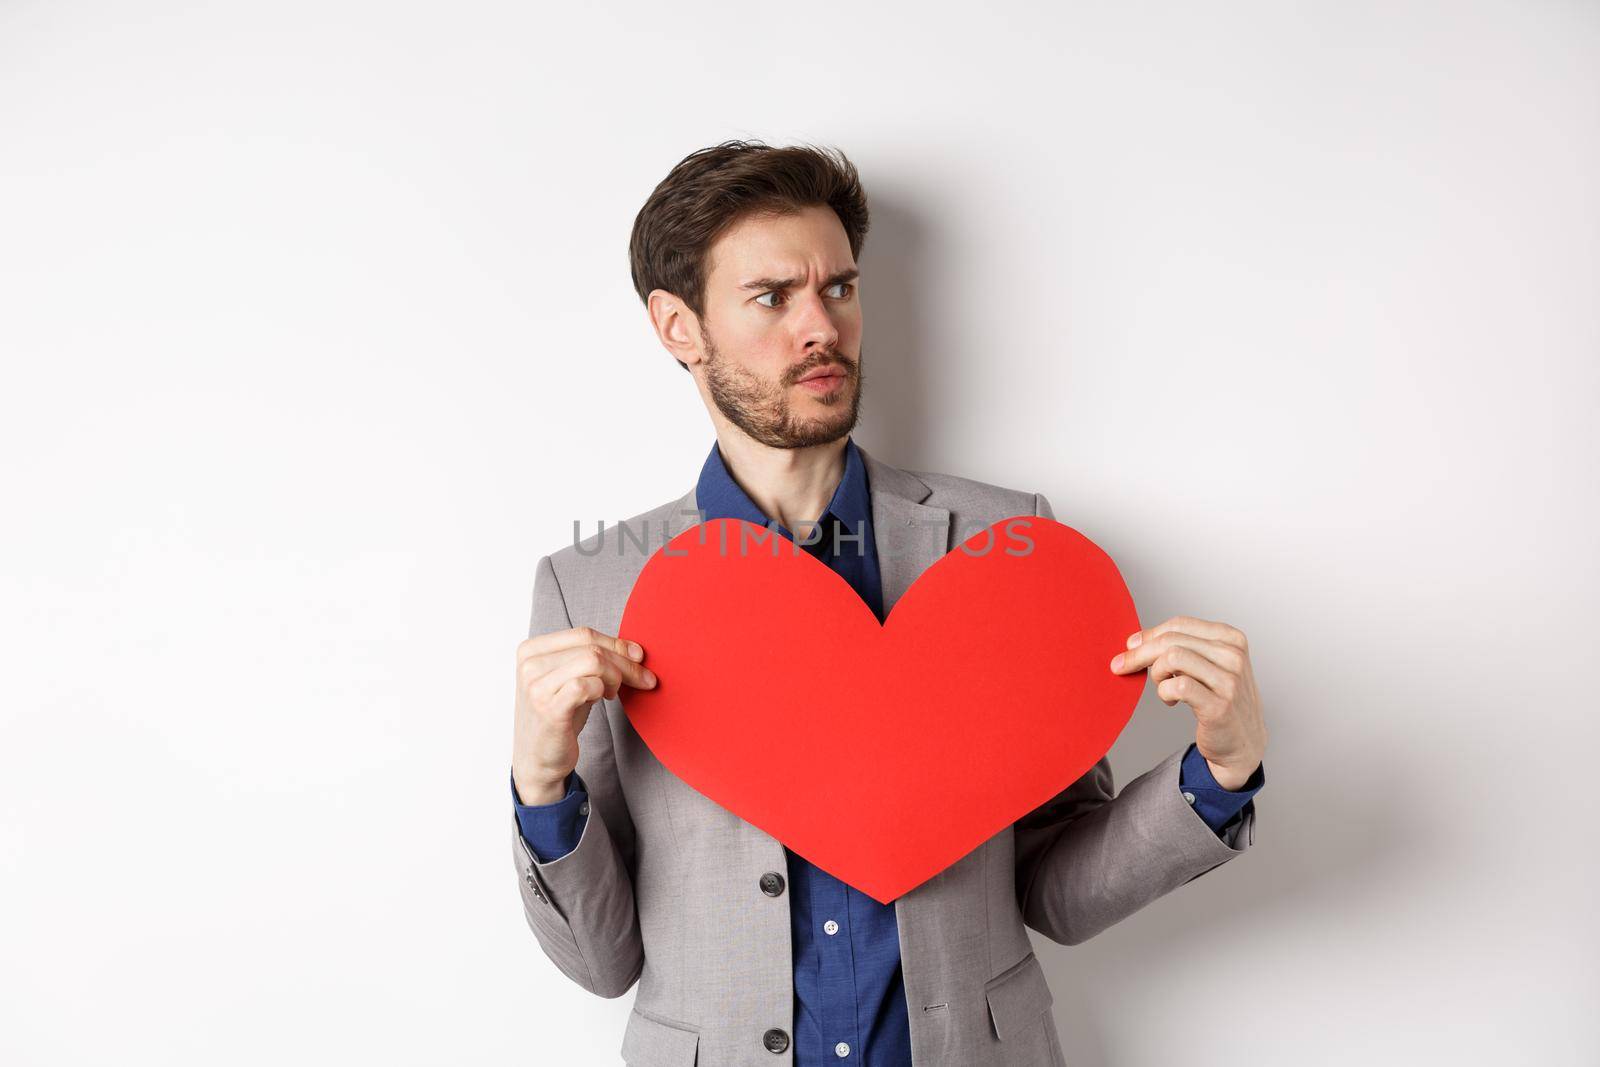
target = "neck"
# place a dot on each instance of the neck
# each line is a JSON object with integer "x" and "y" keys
{"x": 791, "y": 485}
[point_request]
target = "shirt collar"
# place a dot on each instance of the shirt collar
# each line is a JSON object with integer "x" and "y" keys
{"x": 718, "y": 496}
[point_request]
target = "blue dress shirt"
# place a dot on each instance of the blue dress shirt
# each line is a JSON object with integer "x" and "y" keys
{"x": 849, "y": 992}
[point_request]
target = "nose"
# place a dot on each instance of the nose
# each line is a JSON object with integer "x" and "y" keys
{"x": 815, "y": 325}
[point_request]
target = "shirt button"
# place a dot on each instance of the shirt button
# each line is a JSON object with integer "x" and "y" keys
{"x": 1189, "y": 797}
{"x": 772, "y": 883}
{"x": 830, "y": 927}
{"x": 841, "y": 1050}
{"x": 775, "y": 1040}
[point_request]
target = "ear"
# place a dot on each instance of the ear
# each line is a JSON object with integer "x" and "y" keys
{"x": 677, "y": 327}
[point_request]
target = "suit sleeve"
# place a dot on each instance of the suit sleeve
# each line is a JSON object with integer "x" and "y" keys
{"x": 1089, "y": 857}
{"x": 580, "y": 904}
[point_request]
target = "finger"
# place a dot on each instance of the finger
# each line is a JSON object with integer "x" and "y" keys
{"x": 1148, "y": 652}
{"x": 635, "y": 674}
{"x": 1215, "y": 631}
{"x": 1181, "y": 660}
{"x": 576, "y": 692}
{"x": 1188, "y": 689}
{"x": 559, "y": 640}
{"x": 594, "y": 661}
{"x": 579, "y": 641}
{"x": 578, "y": 666}
{"x": 541, "y": 670}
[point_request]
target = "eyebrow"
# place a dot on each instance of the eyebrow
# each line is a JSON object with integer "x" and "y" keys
{"x": 767, "y": 284}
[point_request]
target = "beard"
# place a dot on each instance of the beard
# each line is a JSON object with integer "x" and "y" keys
{"x": 762, "y": 409}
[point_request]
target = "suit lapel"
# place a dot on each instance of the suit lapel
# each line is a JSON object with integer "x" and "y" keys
{"x": 684, "y": 513}
{"x": 910, "y": 535}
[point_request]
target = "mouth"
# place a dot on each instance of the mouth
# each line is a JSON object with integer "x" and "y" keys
{"x": 824, "y": 379}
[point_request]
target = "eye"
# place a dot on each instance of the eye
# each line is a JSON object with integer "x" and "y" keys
{"x": 846, "y": 286}
{"x": 763, "y": 296}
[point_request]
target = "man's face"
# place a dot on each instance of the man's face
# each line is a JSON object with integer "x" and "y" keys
{"x": 781, "y": 306}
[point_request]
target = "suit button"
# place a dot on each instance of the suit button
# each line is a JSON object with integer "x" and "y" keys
{"x": 772, "y": 885}
{"x": 775, "y": 1040}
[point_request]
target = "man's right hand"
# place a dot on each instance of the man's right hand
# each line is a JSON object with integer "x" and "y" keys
{"x": 560, "y": 675}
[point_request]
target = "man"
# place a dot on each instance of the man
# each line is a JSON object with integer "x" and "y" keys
{"x": 745, "y": 258}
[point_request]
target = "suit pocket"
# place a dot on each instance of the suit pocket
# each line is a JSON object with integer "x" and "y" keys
{"x": 1017, "y": 997}
{"x": 652, "y": 1042}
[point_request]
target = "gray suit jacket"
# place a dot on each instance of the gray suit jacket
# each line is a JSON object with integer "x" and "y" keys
{"x": 663, "y": 887}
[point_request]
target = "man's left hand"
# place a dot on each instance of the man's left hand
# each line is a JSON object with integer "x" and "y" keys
{"x": 1207, "y": 666}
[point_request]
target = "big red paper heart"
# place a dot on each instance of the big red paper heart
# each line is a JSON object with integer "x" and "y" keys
{"x": 882, "y": 754}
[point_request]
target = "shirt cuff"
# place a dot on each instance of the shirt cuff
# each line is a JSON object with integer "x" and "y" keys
{"x": 553, "y": 830}
{"x": 1216, "y": 806}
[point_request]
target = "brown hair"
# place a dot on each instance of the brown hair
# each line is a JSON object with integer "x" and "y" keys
{"x": 713, "y": 188}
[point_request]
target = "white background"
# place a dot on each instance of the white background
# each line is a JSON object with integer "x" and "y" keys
{"x": 318, "y": 331}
